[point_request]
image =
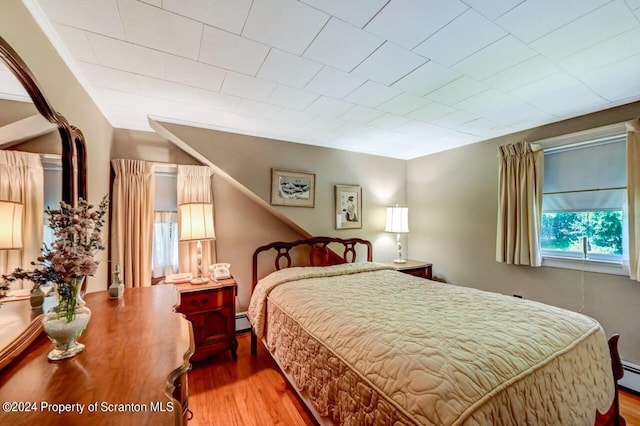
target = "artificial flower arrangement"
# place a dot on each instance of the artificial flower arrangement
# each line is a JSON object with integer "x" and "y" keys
{"x": 70, "y": 257}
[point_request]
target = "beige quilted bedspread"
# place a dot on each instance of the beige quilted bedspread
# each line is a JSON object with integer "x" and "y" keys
{"x": 375, "y": 346}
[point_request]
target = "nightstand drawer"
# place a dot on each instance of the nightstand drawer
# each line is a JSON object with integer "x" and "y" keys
{"x": 207, "y": 301}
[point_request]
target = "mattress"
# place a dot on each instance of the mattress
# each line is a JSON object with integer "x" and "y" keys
{"x": 370, "y": 345}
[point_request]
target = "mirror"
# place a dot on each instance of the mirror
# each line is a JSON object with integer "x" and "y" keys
{"x": 74, "y": 174}
{"x": 16, "y": 317}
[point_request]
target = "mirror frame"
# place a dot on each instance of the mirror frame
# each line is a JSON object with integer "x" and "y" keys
{"x": 74, "y": 174}
{"x": 74, "y": 152}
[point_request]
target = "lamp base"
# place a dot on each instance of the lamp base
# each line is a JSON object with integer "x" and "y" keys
{"x": 399, "y": 261}
{"x": 199, "y": 280}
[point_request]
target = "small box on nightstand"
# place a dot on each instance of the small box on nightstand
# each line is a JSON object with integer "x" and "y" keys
{"x": 416, "y": 268}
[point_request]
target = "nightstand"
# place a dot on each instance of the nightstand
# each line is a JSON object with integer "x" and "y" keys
{"x": 414, "y": 267}
{"x": 211, "y": 308}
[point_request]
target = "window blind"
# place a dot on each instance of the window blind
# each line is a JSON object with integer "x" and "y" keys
{"x": 586, "y": 177}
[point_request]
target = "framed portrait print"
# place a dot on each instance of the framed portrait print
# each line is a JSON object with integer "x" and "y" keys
{"x": 292, "y": 188}
{"x": 348, "y": 207}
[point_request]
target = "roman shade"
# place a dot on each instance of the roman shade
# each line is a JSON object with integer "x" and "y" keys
{"x": 586, "y": 177}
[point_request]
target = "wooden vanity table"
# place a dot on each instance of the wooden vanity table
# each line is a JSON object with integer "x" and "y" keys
{"x": 133, "y": 370}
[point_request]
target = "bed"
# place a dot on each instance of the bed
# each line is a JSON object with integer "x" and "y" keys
{"x": 364, "y": 344}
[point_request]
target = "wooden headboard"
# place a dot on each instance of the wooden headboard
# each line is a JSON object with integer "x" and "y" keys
{"x": 319, "y": 253}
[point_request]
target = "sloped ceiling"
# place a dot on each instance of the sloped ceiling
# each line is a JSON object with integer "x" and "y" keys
{"x": 399, "y": 78}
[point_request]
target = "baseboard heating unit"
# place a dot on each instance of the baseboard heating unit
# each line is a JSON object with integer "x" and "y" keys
{"x": 631, "y": 378}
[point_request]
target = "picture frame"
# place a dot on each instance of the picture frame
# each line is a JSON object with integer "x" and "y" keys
{"x": 292, "y": 188}
{"x": 348, "y": 204}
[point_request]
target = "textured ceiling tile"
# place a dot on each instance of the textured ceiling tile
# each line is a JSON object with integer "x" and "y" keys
{"x": 270, "y": 22}
{"x": 427, "y": 78}
{"x": 77, "y": 43}
{"x": 97, "y": 16}
{"x": 329, "y": 107}
{"x": 409, "y": 22}
{"x": 494, "y": 8}
{"x": 457, "y": 91}
{"x": 193, "y": 73}
{"x": 232, "y": 52}
{"x": 127, "y": 57}
{"x": 372, "y": 94}
{"x": 257, "y": 109}
{"x": 228, "y": 15}
{"x": 247, "y": 87}
{"x": 616, "y": 82}
{"x": 524, "y": 73}
{"x": 356, "y": 12}
{"x": 494, "y": 58}
{"x": 332, "y": 82}
{"x": 167, "y": 32}
{"x": 285, "y": 68}
{"x": 291, "y": 97}
{"x": 362, "y": 115}
{"x": 531, "y": 19}
{"x": 342, "y": 45}
{"x": 599, "y": 55}
{"x": 595, "y": 27}
{"x": 404, "y": 103}
{"x": 430, "y": 112}
{"x": 388, "y": 64}
{"x": 110, "y": 78}
{"x": 389, "y": 121}
{"x": 467, "y": 34}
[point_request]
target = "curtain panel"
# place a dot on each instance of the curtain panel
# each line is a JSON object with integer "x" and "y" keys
{"x": 633, "y": 196}
{"x": 520, "y": 176}
{"x": 133, "y": 220}
{"x": 195, "y": 186}
{"x": 165, "y": 244}
{"x": 22, "y": 181}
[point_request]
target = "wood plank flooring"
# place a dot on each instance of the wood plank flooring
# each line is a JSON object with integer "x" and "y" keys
{"x": 253, "y": 392}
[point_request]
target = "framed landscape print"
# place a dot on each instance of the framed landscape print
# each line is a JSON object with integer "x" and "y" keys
{"x": 348, "y": 207}
{"x": 292, "y": 188}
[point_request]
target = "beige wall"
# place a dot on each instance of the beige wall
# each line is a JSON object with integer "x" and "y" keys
{"x": 249, "y": 160}
{"x": 453, "y": 200}
{"x": 67, "y": 96}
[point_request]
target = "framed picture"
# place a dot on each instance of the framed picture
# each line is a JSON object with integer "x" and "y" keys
{"x": 292, "y": 188}
{"x": 348, "y": 207}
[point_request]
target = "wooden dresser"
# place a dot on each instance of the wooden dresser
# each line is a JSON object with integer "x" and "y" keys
{"x": 133, "y": 370}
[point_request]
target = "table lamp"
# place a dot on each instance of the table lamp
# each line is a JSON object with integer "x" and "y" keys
{"x": 11, "y": 229}
{"x": 196, "y": 224}
{"x": 398, "y": 222}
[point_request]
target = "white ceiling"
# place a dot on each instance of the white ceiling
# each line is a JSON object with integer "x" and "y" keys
{"x": 399, "y": 78}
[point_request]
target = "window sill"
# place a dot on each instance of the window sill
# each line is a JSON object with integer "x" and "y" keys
{"x": 589, "y": 265}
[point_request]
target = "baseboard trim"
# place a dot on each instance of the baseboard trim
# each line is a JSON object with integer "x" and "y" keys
{"x": 631, "y": 379}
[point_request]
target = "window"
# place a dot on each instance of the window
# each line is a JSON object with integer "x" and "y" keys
{"x": 52, "y": 170}
{"x": 164, "y": 259}
{"x": 584, "y": 200}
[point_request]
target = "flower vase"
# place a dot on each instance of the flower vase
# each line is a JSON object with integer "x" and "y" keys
{"x": 66, "y": 320}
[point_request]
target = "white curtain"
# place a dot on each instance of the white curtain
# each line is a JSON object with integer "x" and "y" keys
{"x": 633, "y": 196}
{"x": 195, "y": 185}
{"x": 22, "y": 180}
{"x": 165, "y": 244}
{"x": 133, "y": 220}
{"x": 520, "y": 176}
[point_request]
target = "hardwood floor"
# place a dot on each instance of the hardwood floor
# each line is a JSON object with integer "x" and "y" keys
{"x": 252, "y": 391}
{"x": 248, "y": 392}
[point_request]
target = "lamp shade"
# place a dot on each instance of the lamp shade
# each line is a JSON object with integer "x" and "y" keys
{"x": 196, "y": 222}
{"x": 10, "y": 225}
{"x": 397, "y": 219}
